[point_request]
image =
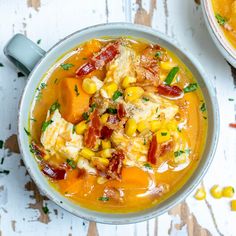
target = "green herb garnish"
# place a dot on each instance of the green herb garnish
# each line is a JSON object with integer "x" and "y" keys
{"x": 42, "y": 86}
{"x": 45, "y": 209}
{"x": 55, "y": 81}
{"x": 66, "y": 66}
{"x": 178, "y": 153}
{"x": 116, "y": 95}
{"x": 148, "y": 166}
{"x": 203, "y": 107}
{"x": 6, "y": 172}
{"x": 1, "y": 144}
{"x": 92, "y": 107}
{"x": 71, "y": 163}
{"x": 76, "y": 90}
{"x": 27, "y": 132}
{"x": 144, "y": 141}
{"x": 191, "y": 87}
{"x": 104, "y": 199}
{"x": 46, "y": 124}
{"x": 170, "y": 77}
{"x": 112, "y": 111}
{"x": 220, "y": 19}
{"x": 54, "y": 107}
{"x": 145, "y": 99}
{"x": 85, "y": 115}
{"x": 84, "y": 58}
{"x": 163, "y": 133}
{"x": 158, "y": 54}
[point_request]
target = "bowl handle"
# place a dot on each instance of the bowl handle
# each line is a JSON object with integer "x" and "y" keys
{"x": 23, "y": 53}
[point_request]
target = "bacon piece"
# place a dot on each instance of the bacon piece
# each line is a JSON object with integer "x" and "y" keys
{"x": 232, "y": 125}
{"x": 121, "y": 111}
{"x": 115, "y": 165}
{"x": 95, "y": 122}
{"x": 106, "y": 132}
{"x": 154, "y": 150}
{"x": 37, "y": 150}
{"x": 54, "y": 173}
{"x": 106, "y": 54}
{"x": 90, "y": 137}
{"x": 169, "y": 91}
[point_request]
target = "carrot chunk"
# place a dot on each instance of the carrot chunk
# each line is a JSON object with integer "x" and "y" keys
{"x": 73, "y": 100}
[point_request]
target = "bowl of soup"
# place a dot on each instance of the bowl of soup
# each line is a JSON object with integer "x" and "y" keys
{"x": 117, "y": 124}
{"x": 220, "y": 18}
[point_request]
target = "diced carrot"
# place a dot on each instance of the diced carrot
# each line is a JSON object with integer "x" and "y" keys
{"x": 73, "y": 100}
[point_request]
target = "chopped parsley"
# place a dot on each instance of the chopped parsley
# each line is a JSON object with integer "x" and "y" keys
{"x": 203, "y": 107}
{"x": 45, "y": 209}
{"x": 116, "y": 95}
{"x": 76, "y": 90}
{"x": 73, "y": 129}
{"x": 84, "y": 58}
{"x": 85, "y": 115}
{"x": 112, "y": 111}
{"x": 144, "y": 141}
{"x": 5, "y": 172}
{"x": 46, "y": 124}
{"x": 148, "y": 166}
{"x": 158, "y": 54}
{"x": 178, "y": 128}
{"x": 39, "y": 41}
{"x": 178, "y": 153}
{"x": 103, "y": 199}
{"x": 92, "y": 107}
{"x": 71, "y": 163}
{"x": 170, "y": 77}
{"x": 163, "y": 133}
{"x": 190, "y": 88}
{"x": 1, "y": 144}
{"x": 220, "y": 19}
{"x": 27, "y": 132}
{"x": 55, "y": 81}
{"x": 66, "y": 66}
{"x": 145, "y": 99}
{"x": 1, "y": 65}
{"x": 40, "y": 88}
{"x": 204, "y": 117}
{"x": 187, "y": 151}
{"x": 54, "y": 107}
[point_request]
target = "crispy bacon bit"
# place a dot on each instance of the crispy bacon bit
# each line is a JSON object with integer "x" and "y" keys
{"x": 169, "y": 91}
{"x": 106, "y": 54}
{"x": 54, "y": 173}
{"x": 90, "y": 137}
{"x": 113, "y": 193}
{"x": 37, "y": 150}
{"x": 106, "y": 132}
{"x": 81, "y": 173}
{"x": 95, "y": 122}
{"x": 113, "y": 119}
{"x": 154, "y": 151}
{"x": 232, "y": 125}
{"x": 166, "y": 147}
{"x": 121, "y": 111}
{"x": 115, "y": 165}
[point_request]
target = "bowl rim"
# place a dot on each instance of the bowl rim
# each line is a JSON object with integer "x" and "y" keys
{"x": 217, "y": 34}
{"x": 195, "y": 178}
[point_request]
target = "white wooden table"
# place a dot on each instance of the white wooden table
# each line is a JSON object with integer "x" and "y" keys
{"x": 47, "y": 21}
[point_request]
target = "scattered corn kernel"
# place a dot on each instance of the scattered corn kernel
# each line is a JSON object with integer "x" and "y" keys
{"x": 127, "y": 81}
{"x": 89, "y": 86}
{"x": 46, "y": 157}
{"x": 106, "y": 153}
{"x": 81, "y": 127}
{"x": 142, "y": 125}
{"x": 162, "y": 135}
{"x": 104, "y": 118}
{"x": 155, "y": 125}
{"x": 228, "y": 191}
{"x": 102, "y": 160}
{"x": 166, "y": 65}
{"x": 101, "y": 180}
{"x": 87, "y": 153}
{"x": 130, "y": 127}
{"x": 233, "y": 205}
{"x": 172, "y": 126}
{"x": 110, "y": 88}
{"x": 106, "y": 144}
{"x": 216, "y": 191}
{"x": 200, "y": 194}
{"x": 133, "y": 93}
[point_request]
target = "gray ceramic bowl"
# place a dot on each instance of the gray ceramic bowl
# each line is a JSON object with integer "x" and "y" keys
{"x": 27, "y": 56}
{"x": 217, "y": 34}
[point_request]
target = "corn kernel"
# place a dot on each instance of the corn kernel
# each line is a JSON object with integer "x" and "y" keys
{"x": 130, "y": 127}
{"x": 233, "y": 205}
{"x": 166, "y": 65}
{"x": 133, "y": 93}
{"x": 104, "y": 118}
{"x": 142, "y": 125}
{"x": 89, "y": 86}
{"x": 101, "y": 180}
{"x": 106, "y": 153}
{"x": 216, "y": 191}
{"x": 81, "y": 127}
{"x": 110, "y": 88}
{"x": 228, "y": 191}
{"x": 106, "y": 144}
{"x": 155, "y": 125}
{"x": 200, "y": 194}
{"x": 127, "y": 81}
{"x": 87, "y": 153}
{"x": 172, "y": 126}
{"x": 163, "y": 135}
{"x": 46, "y": 157}
{"x": 102, "y": 160}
